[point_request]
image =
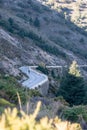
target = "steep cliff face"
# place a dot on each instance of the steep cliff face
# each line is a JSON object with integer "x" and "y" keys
{"x": 34, "y": 31}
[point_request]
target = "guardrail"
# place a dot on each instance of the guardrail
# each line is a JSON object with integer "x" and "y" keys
{"x": 57, "y": 66}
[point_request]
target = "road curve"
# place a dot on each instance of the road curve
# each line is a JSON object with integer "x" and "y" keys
{"x": 35, "y": 78}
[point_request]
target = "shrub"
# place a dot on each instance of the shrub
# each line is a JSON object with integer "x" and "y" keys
{"x": 61, "y": 99}
{"x": 11, "y": 21}
{"x": 43, "y": 69}
{"x": 11, "y": 121}
{"x": 4, "y": 102}
{"x": 37, "y": 22}
{"x": 9, "y": 88}
{"x": 33, "y": 93}
{"x": 20, "y": 4}
{"x": 36, "y": 8}
{"x": 9, "y": 25}
{"x": 51, "y": 49}
{"x": 81, "y": 40}
{"x": 74, "y": 113}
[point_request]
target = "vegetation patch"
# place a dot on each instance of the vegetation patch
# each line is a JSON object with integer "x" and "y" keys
{"x": 72, "y": 87}
{"x": 29, "y": 122}
{"x": 4, "y": 102}
{"x": 75, "y": 113}
{"x": 14, "y": 28}
{"x": 9, "y": 88}
{"x": 62, "y": 100}
{"x": 43, "y": 69}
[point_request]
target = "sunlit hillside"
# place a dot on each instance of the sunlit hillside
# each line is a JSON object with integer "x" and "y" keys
{"x": 43, "y": 57}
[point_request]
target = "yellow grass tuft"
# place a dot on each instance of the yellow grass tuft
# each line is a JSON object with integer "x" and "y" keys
{"x": 11, "y": 121}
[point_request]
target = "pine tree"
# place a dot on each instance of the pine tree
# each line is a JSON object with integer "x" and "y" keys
{"x": 72, "y": 86}
{"x": 37, "y": 22}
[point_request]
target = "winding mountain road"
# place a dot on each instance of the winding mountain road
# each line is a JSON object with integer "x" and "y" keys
{"x": 35, "y": 78}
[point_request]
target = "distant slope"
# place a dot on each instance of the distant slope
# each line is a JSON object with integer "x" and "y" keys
{"x": 34, "y": 31}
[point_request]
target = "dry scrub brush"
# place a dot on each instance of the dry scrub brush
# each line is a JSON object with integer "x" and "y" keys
{"x": 15, "y": 120}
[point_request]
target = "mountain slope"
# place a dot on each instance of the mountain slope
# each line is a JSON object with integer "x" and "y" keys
{"x": 34, "y": 31}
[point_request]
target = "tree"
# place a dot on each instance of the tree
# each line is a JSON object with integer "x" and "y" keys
{"x": 37, "y": 22}
{"x": 72, "y": 86}
{"x": 74, "y": 70}
{"x": 42, "y": 68}
{"x": 11, "y": 21}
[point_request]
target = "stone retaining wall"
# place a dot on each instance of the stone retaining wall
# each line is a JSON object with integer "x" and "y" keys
{"x": 43, "y": 89}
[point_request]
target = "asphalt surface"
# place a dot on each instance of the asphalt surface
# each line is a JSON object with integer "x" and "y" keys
{"x": 35, "y": 78}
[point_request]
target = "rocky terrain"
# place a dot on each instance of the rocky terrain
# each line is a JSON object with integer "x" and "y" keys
{"x": 41, "y": 32}
{"x": 35, "y": 31}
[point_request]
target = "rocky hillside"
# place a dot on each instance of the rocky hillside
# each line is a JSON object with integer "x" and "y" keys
{"x": 49, "y": 31}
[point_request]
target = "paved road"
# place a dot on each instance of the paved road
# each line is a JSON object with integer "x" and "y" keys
{"x": 59, "y": 66}
{"x": 35, "y": 78}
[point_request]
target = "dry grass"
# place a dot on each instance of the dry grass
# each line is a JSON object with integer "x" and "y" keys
{"x": 11, "y": 121}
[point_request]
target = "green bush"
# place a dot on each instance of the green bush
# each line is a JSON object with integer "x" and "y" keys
{"x": 9, "y": 88}
{"x": 43, "y": 69}
{"x": 37, "y": 22}
{"x": 36, "y": 8}
{"x": 33, "y": 93}
{"x": 74, "y": 113}
{"x": 9, "y": 25}
{"x": 4, "y": 102}
{"x": 61, "y": 99}
{"x": 81, "y": 40}
{"x": 22, "y": 5}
